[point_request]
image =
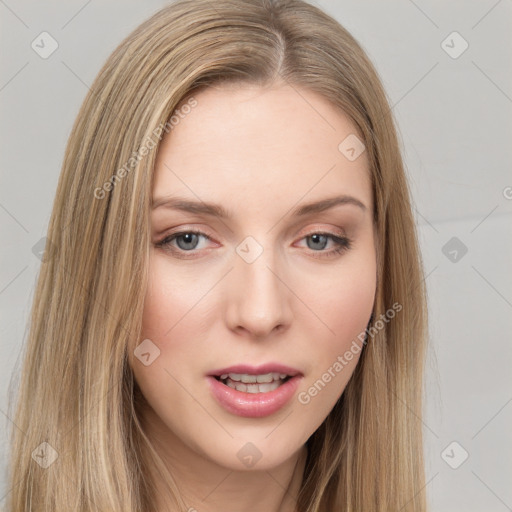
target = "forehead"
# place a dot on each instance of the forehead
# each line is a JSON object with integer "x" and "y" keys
{"x": 244, "y": 145}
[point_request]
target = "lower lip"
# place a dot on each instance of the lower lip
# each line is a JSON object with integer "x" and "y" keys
{"x": 253, "y": 405}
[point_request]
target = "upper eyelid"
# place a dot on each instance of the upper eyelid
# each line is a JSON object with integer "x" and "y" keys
{"x": 186, "y": 228}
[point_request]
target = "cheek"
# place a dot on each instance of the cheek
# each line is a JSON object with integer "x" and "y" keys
{"x": 344, "y": 299}
{"x": 171, "y": 299}
{"x": 346, "y": 314}
{"x": 351, "y": 299}
{"x": 343, "y": 303}
{"x": 172, "y": 316}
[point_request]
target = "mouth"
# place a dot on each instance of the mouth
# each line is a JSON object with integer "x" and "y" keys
{"x": 250, "y": 391}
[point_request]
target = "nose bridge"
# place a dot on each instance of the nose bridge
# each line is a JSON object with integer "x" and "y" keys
{"x": 259, "y": 301}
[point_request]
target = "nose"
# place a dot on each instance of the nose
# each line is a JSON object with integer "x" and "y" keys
{"x": 258, "y": 297}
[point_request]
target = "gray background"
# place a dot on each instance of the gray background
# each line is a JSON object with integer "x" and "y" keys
{"x": 455, "y": 122}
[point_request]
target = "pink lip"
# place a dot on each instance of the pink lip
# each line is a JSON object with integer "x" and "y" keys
{"x": 254, "y": 405}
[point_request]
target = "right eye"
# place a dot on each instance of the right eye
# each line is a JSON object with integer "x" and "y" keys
{"x": 186, "y": 240}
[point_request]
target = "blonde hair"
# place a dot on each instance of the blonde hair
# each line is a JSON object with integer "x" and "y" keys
{"x": 77, "y": 391}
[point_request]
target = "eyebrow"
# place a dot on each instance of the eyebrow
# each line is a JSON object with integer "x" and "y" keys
{"x": 217, "y": 210}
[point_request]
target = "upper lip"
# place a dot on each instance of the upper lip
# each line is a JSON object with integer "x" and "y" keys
{"x": 256, "y": 370}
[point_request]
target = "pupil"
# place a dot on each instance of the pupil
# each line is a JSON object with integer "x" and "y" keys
{"x": 316, "y": 239}
{"x": 186, "y": 237}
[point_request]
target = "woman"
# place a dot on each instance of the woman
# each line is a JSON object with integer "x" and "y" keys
{"x": 232, "y": 314}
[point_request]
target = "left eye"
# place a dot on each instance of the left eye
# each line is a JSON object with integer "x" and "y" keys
{"x": 319, "y": 239}
{"x": 341, "y": 244}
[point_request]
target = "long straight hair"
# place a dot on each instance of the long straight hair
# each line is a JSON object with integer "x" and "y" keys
{"x": 77, "y": 400}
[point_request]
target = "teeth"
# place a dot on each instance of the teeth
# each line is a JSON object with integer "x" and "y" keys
{"x": 252, "y": 379}
{"x": 268, "y": 377}
{"x": 254, "y": 388}
{"x": 253, "y": 383}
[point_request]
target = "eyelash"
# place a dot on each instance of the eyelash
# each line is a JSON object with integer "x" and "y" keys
{"x": 343, "y": 244}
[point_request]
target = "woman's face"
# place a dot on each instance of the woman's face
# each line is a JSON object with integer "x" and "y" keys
{"x": 253, "y": 304}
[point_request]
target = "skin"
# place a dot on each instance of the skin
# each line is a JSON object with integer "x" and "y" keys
{"x": 258, "y": 152}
